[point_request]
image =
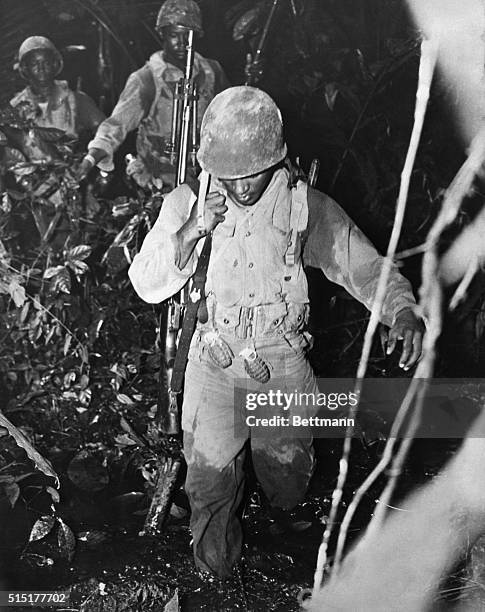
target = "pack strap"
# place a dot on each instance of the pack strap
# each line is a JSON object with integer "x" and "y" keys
{"x": 298, "y": 220}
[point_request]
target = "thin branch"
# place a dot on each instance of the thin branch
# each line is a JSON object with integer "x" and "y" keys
{"x": 401, "y": 60}
{"x": 431, "y": 305}
{"x": 462, "y": 288}
{"x": 429, "y": 51}
{"x": 377, "y": 471}
{"x": 425, "y": 372}
{"x": 417, "y": 250}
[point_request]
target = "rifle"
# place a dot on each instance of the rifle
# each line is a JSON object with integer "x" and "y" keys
{"x": 182, "y": 150}
{"x": 253, "y": 69}
{"x": 171, "y": 381}
{"x": 184, "y": 119}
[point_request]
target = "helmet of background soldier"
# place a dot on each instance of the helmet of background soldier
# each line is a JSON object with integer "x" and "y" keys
{"x": 35, "y": 43}
{"x": 184, "y": 13}
{"x": 241, "y": 134}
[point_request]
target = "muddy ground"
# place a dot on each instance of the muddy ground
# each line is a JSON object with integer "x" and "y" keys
{"x": 114, "y": 569}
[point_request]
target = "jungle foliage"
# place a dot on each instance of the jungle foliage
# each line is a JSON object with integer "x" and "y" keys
{"x": 78, "y": 349}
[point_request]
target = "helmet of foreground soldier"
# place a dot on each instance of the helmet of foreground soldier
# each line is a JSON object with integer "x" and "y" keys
{"x": 36, "y": 43}
{"x": 184, "y": 13}
{"x": 241, "y": 134}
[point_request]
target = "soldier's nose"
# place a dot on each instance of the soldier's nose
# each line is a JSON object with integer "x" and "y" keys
{"x": 241, "y": 188}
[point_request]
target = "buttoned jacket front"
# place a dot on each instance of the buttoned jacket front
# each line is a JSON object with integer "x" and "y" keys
{"x": 250, "y": 267}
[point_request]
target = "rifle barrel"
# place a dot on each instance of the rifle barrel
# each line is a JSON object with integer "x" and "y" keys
{"x": 262, "y": 41}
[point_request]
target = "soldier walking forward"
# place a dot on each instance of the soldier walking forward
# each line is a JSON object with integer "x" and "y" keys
{"x": 263, "y": 230}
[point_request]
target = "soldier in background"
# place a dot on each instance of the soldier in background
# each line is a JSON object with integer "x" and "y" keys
{"x": 147, "y": 99}
{"x": 46, "y": 104}
{"x": 48, "y": 101}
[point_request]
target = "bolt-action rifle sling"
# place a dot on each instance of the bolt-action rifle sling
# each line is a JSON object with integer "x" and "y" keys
{"x": 196, "y": 303}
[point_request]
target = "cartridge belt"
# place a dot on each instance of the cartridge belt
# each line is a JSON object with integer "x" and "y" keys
{"x": 245, "y": 322}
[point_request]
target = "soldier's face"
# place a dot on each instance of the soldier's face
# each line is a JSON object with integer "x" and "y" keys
{"x": 175, "y": 40}
{"x": 40, "y": 67}
{"x": 248, "y": 190}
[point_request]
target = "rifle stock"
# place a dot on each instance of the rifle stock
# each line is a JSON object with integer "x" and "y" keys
{"x": 167, "y": 413}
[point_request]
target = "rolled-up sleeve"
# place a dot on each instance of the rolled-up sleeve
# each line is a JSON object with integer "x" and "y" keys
{"x": 133, "y": 105}
{"x": 153, "y": 273}
{"x": 339, "y": 248}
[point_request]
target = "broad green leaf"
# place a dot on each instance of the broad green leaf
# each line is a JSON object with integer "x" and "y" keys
{"x": 66, "y": 540}
{"x": 124, "y": 440}
{"x": 49, "y": 134}
{"x": 82, "y": 251}
{"x": 174, "y": 604}
{"x": 23, "y": 169}
{"x": 67, "y": 343}
{"x": 6, "y": 205}
{"x": 24, "y": 313}
{"x": 62, "y": 281}
{"x": 42, "y": 527}
{"x": 51, "y": 272}
{"x": 12, "y": 158}
{"x": 38, "y": 460}
{"x": 12, "y": 492}
{"x": 124, "y": 399}
{"x": 17, "y": 293}
{"x": 78, "y": 267}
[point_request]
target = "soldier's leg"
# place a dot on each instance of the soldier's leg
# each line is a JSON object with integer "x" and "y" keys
{"x": 284, "y": 468}
{"x": 215, "y": 478}
{"x": 215, "y": 493}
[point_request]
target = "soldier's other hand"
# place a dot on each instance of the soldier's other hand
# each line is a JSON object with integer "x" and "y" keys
{"x": 410, "y": 330}
{"x": 84, "y": 169}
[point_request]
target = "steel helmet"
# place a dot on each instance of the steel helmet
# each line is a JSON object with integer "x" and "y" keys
{"x": 241, "y": 134}
{"x": 34, "y": 43}
{"x": 180, "y": 12}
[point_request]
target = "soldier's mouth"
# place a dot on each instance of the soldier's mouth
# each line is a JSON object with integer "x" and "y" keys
{"x": 245, "y": 200}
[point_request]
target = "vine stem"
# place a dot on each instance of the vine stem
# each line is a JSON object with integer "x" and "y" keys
{"x": 431, "y": 304}
{"x": 429, "y": 53}
{"x": 431, "y": 297}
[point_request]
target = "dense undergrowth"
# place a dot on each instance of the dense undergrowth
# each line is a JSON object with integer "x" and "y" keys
{"x": 78, "y": 349}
